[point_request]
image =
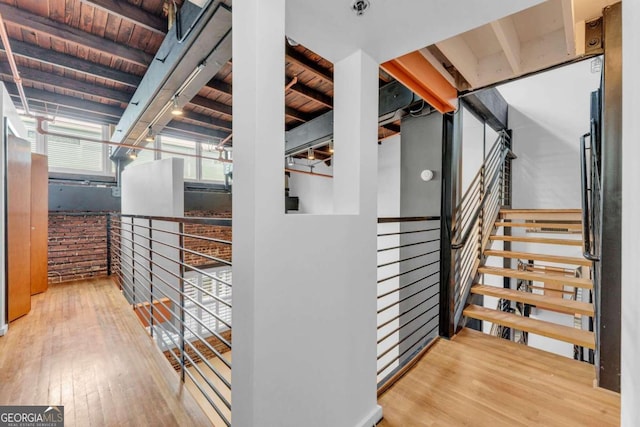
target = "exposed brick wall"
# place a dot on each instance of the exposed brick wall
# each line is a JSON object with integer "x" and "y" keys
{"x": 217, "y": 250}
{"x": 77, "y": 246}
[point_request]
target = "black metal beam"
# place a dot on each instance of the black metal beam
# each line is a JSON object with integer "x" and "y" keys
{"x": 37, "y": 76}
{"x": 70, "y": 34}
{"x": 132, "y": 13}
{"x": 611, "y": 250}
{"x": 220, "y": 86}
{"x": 71, "y": 102}
{"x": 72, "y": 63}
{"x": 313, "y": 67}
{"x": 312, "y": 94}
{"x": 203, "y": 118}
{"x": 200, "y": 132}
{"x": 490, "y": 106}
{"x": 212, "y": 105}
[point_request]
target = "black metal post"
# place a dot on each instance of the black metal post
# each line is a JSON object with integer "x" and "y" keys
{"x": 108, "y": 217}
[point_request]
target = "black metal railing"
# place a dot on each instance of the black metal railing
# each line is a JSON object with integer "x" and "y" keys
{"x": 176, "y": 274}
{"x": 473, "y": 221}
{"x": 591, "y": 194}
{"x": 408, "y": 290}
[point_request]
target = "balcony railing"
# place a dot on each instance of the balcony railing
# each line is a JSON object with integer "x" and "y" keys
{"x": 176, "y": 274}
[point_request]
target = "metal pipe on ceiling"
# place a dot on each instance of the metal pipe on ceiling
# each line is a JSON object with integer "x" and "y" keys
{"x": 14, "y": 67}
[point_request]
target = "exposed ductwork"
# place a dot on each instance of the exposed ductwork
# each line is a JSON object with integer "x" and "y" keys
{"x": 185, "y": 62}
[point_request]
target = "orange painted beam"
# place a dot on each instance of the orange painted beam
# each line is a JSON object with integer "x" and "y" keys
{"x": 416, "y": 73}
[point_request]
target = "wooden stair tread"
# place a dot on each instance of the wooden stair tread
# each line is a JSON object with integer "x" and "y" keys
{"x": 567, "y": 242}
{"x": 541, "y": 210}
{"x": 542, "y": 214}
{"x": 538, "y": 257}
{"x": 538, "y": 277}
{"x": 541, "y": 301}
{"x": 551, "y": 225}
{"x": 534, "y": 326}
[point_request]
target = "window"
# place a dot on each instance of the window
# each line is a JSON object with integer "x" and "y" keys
{"x": 69, "y": 154}
{"x": 32, "y": 137}
{"x": 181, "y": 146}
{"x": 212, "y": 170}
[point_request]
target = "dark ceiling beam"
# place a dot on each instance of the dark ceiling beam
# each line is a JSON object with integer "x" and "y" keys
{"x": 220, "y": 86}
{"x": 72, "y": 63}
{"x": 203, "y": 118}
{"x": 191, "y": 129}
{"x": 37, "y": 76}
{"x": 391, "y": 127}
{"x": 313, "y": 67}
{"x": 312, "y": 94}
{"x": 132, "y": 13}
{"x": 72, "y": 102}
{"x": 299, "y": 115}
{"x": 70, "y": 34}
{"x": 69, "y": 113}
{"x": 212, "y": 105}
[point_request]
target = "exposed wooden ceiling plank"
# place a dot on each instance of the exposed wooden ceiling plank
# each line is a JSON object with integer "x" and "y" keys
{"x": 438, "y": 65}
{"x": 568, "y": 17}
{"x": 220, "y": 86}
{"x": 507, "y": 35}
{"x": 462, "y": 57}
{"x": 72, "y": 63}
{"x": 312, "y": 94}
{"x": 130, "y": 12}
{"x": 33, "y": 75}
{"x": 210, "y": 104}
{"x": 71, "y": 34}
{"x": 313, "y": 67}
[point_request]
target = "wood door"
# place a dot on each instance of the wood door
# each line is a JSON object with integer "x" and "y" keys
{"x": 18, "y": 227}
{"x": 39, "y": 222}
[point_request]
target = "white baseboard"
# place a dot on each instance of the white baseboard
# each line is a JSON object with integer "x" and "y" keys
{"x": 3, "y": 329}
{"x": 373, "y": 418}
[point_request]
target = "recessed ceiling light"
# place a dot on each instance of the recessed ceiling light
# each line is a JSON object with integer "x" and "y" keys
{"x": 360, "y": 6}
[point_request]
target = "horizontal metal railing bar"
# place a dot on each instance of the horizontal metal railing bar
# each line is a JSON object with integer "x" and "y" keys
{"x": 406, "y": 298}
{"x": 193, "y": 268}
{"x": 186, "y": 295}
{"x": 384, "y": 220}
{"x": 200, "y": 254}
{"x": 175, "y": 233}
{"x": 408, "y": 271}
{"x": 195, "y": 349}
{"x": 408, "y": 285}
{"x": 404, "y": 325}
{"x": 398, "y": 233}
{"x": 408, "y": 259}
{"x": 408, "y": 245}
{"x": 418, "y": 341}
{"x": 388, "y": 321}
{"x": 404, "y": 339}
{"x": 224, "y": 222}
{"x": 489, "y": 155}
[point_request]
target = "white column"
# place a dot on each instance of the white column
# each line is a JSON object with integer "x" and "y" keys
{"x": 304, "y": 302}
{"x": 630, "y": 214}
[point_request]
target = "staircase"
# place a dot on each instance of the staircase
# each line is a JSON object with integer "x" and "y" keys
{"x": 551, "y": 282}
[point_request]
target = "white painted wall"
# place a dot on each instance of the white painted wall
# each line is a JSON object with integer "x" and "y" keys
{"x": 296, "y": 301}
{"x": 315, "y": 192}
{"x": 154, "y": 189}
{"x": 630, "y": 214}
{"x": 7, "y": 112}
{"x": 548, "y": 113}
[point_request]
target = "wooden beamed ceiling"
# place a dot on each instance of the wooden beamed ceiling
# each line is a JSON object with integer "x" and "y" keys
{"x": 85, "y": 58}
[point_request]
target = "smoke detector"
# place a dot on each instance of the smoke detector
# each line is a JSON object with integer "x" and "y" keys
{"x": 360, "y": 6}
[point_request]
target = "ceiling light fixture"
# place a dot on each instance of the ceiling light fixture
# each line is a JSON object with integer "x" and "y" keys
{"x": 331, "y": 146}
{"x": 311, "y": 155}
{"x": 133, "y": 155}
{"x": 360, "y": 6}
{"x": 290, "y": 161}
{"x": 149, "y": 137}
{"x": 176, "y": 110}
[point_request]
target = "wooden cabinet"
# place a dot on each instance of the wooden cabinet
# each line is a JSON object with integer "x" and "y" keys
{"x": 18, "y": 227}
{"x": 39, "y": 222}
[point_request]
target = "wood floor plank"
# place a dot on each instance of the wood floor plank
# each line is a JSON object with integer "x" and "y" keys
{"x": 534, "y": 326}
{"x": 479, "y": 380}
{"x": 541, "y": 301}
{"x": 538, "y": 257}
{"x": 537, "y": 276}
{"x": 544, "y": 240}
{"x": 82, "y": 346}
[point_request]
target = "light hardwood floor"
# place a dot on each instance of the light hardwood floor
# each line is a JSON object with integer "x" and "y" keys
{"x": 82, "y": 346}
{"x": 479, "y": 380}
